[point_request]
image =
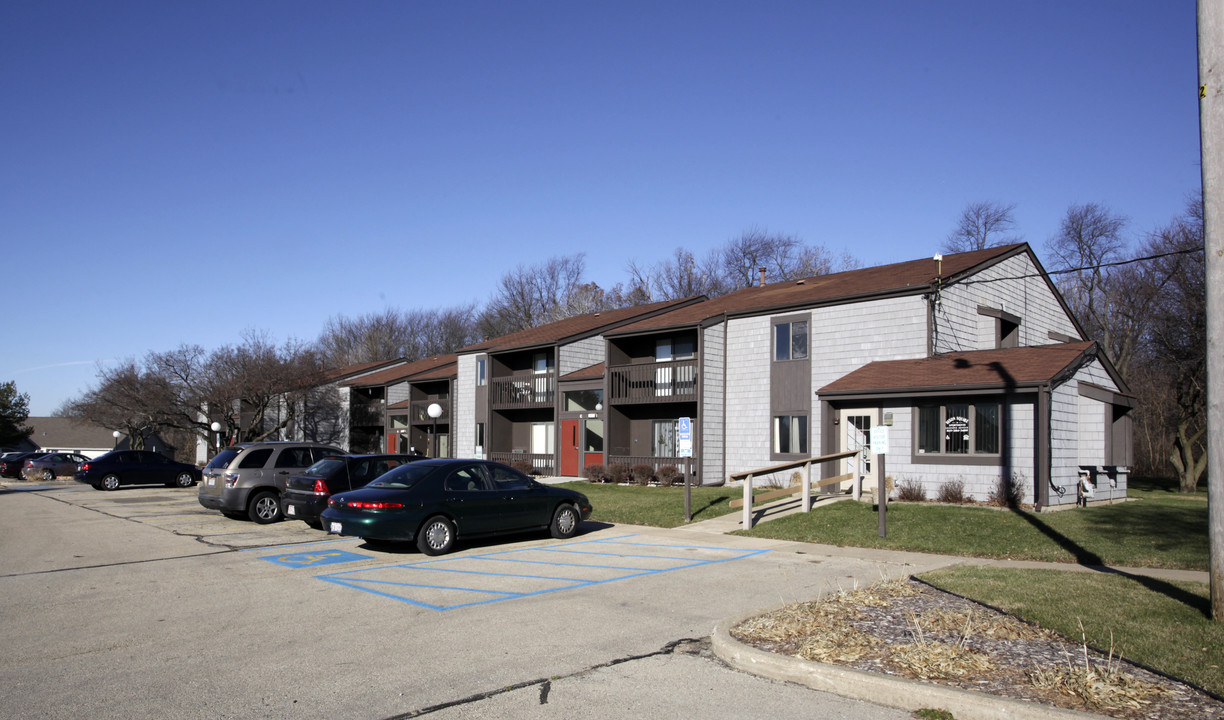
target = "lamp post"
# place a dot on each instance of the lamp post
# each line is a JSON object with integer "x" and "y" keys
{"x": 434, "y": 410}
{"x": 116, "y": 435}
{"x": 216, "y": 428}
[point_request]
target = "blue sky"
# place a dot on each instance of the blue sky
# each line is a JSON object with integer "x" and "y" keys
{"x": 181, "y": 172}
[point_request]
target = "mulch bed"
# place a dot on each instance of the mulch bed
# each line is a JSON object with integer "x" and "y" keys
{"x": 909, "y": 629}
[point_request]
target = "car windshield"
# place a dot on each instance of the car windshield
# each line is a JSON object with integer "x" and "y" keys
{"x": 223, "y": 458}
{"x": 404, "y": 476}
{"x": 323, "y": 468}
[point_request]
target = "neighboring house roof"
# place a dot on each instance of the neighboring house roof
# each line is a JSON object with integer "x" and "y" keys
{"x": 69, "y": 433}
{"x": 914, "y": 276}
{"x": 577, "y": 327}
{"x": 1025, "y": 367}
{"x": 437, "y": 367}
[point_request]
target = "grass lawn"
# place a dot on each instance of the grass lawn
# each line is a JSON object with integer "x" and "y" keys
{"x": 1158, "y": 529}
{"x": 1163, "y": 625}
{"x": 655, "y": 506}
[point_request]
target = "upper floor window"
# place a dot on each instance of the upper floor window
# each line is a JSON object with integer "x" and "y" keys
{"x": 481, "y": 378}
{"x": 542, "y": 362}
{"x": 791, "y": 340}
{"x": 673, "y": 349}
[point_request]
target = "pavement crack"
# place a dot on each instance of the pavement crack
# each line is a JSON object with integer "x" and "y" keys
{"x": 682, "y": 645}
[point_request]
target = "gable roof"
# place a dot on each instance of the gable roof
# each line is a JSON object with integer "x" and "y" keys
{"x": 1014, "y": 368}
{"x": 577, "y": 327}
{"x": 437, "y": 367}
{"x": 349, "y": 372}
{"x": 69, "y": 433}
{"x": 906, "y": 278}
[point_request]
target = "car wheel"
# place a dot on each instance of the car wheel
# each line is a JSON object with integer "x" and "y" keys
{"x": 437, "y": 536}
{"x": 264, "y": 508}
{"x": 565, "y": 522}
{"x": 110, "y": 481}
{"x": 184, "y": 480}
{"x": 48, "y": 475}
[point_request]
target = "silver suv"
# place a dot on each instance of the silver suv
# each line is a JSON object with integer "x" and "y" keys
{"x": 246, "y": 480}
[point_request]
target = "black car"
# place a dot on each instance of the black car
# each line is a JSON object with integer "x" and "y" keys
{"x": 10, "y": 467}
{"x": 136, "y": 467}
{"x": 305, "y": 496}
{"x": 436, "y": 501}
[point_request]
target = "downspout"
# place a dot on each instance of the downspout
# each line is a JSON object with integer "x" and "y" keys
{"x": 722, "y": 477}
{"x": 1043, "y": 481}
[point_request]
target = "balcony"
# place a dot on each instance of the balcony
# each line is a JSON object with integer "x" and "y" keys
{"x": 653, "y": 382}
{"x": 419, "y": 411}
{"x": 522, "y": 391}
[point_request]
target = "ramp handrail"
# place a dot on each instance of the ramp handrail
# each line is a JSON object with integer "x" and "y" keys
{"x": 806, "y": 464}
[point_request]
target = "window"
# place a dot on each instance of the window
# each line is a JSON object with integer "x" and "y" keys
{"x": 480, "y": 440}
{"x": 959, "y": 429}
{"x": 663, "y": 439}
{"x": 583, "y": 400}
{"x": 673, "y": 349}
{"x": 541, "y": 362}
{"x": 593, "y": 436}
{"x": 790, "y": 434}
{"x": 791, "y": 340}
{"x": 542, "y": 438}
{"x": 481, "y": 378}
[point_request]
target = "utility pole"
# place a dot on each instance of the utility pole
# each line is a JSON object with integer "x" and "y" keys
{"x": 1211, "y": 130}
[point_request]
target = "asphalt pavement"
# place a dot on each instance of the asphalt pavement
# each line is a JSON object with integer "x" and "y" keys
{"x": 141, "y": 603}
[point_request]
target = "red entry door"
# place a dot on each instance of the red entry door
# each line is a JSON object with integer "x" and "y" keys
{"x": 569, "y": 447}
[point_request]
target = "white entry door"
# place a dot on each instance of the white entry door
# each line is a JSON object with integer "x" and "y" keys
{"x": 855, "y": 425}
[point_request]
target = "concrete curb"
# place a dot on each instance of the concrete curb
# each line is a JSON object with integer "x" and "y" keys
{"x": 876, "y": 688}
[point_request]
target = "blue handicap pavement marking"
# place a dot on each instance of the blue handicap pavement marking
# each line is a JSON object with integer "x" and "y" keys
{"x": 315, "y": 559}
{"x": 460, "y": 581}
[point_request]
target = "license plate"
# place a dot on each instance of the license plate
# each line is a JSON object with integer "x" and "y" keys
{"x": 212, "y": 481}
{"x": 289, "y": 510}
{"x": 335, "y": 527}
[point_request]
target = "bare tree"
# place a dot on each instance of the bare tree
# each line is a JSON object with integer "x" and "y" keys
{"x": 784, "y": 257}
{"x": 392, "y": 334}
{"x": 982, "y": 225}
{"x": 681, "y": 276}
{"x": 1088, "y": 245}
{"x": 529, "y": 296}
{"x": 1177, "y": 351}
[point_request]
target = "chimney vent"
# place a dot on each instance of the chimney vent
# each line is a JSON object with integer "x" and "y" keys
{"x": 762, "y": 277}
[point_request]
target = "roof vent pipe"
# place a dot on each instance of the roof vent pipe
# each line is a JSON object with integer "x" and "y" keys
{"x": 762, "y": 277}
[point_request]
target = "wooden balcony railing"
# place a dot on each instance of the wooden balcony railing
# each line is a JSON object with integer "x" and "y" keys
{"x": 653, "y": 382}
{"x": 525, "y": 390}
{"x": 541, "y": 464}
{"x": 420, "y": 411}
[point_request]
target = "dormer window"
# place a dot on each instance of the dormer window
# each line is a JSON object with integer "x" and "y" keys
{"x": 1007, "y": 327}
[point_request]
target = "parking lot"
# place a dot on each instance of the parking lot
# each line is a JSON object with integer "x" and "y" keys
{"x": 140, "y": 602}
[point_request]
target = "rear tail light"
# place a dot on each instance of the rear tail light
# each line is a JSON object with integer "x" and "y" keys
{"x": 320, "y": 488}
{"x": 84, "y": 467}
{"x": 231, "y": 479}
{"x": 366, "y": 505}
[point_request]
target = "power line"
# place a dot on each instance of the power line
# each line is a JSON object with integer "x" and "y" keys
{"x": 1068, "y": 271}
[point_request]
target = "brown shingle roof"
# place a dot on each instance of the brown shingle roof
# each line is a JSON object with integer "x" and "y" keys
{"x": 433, "y": 366}
{"x": 591, "y": 372}
{"x": 1026, "y": 367}
{"x": 576, "y": 327}
{"x": 349, "y": 371}
{"x": 914, "y": 276}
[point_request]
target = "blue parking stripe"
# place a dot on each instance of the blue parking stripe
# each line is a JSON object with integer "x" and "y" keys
{"x": 408, "y": 583}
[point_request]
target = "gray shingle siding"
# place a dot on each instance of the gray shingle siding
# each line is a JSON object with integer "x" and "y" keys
{"x": 1008, "y": 286}
{"x": 713, "y": 405}
{"x": 582, "y": 354}
{"x": 464, "y": 428}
